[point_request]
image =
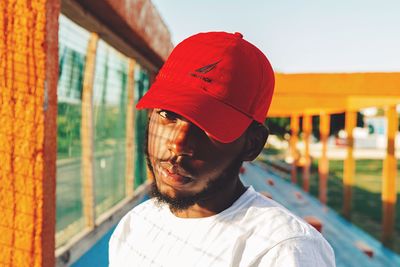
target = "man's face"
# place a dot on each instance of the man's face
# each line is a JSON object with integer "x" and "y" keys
{"x": 188, "y": 165}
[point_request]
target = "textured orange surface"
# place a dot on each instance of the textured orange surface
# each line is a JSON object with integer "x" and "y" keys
{"x": 22, "y": 76}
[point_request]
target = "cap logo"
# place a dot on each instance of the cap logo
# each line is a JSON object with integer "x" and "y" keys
{"x": 208, "y": 68}
{"x": 204, "y": 70}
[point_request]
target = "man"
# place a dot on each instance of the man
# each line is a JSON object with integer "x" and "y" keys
{"x": 207, "y": 108}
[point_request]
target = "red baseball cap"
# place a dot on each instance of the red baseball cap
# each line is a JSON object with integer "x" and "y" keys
{"x": 218, "y": 81}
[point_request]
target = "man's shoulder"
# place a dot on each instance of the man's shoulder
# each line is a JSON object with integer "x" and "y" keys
{"x": 276, "y": 221}
{"x": 270, "y": 229}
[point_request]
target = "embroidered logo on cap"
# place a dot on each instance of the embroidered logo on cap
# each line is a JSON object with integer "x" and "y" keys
{"x": 204, "y": 70}
{"x": 208, "y": 68}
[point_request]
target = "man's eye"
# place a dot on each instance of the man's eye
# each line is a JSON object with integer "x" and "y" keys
{"x": 167, "y": 114}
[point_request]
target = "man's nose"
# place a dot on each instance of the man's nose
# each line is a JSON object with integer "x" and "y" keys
{"x": 182, "y": 139}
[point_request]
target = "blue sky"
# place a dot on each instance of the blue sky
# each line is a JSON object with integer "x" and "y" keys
{"x": 300, "y": 35}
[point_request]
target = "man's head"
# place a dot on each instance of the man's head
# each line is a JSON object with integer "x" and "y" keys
{"x": 208, "y": 105}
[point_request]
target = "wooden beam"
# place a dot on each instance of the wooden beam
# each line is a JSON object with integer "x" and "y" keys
{"x": 389, "y": 188}
{"x": 356, "y": 103}
{"x": 323, "y": 164}
{"x": 307, "y": 128}
{"x": 130, "y": 131}
{"x": 133, "y": 28}
{"x": 349, "y": 164}
{"x": 285, "y": 105}
{"x": 294, "y": 128}
{"x": 87, "y": 134}
{"x": 47, "y": 229}
{"x": 338, "y": 84}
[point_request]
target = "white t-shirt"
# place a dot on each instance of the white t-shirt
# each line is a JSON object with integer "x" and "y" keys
{"x": 254, "y": 231}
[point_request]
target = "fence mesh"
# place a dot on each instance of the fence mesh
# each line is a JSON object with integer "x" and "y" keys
{"x": 109, "y": 113}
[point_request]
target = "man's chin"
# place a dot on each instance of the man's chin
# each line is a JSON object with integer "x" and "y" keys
{"x": 176, "y": 202}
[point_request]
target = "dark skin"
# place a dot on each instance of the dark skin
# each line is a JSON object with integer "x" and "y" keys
{"x": 185, "y": 160}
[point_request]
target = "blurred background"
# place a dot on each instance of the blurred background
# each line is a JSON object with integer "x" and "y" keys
{"x": 71, "y": 142}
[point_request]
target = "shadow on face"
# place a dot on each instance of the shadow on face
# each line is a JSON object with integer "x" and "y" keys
{"x": 188, "y": 165}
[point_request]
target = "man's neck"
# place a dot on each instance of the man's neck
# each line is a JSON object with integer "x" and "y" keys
{"x": 214, "y": 204}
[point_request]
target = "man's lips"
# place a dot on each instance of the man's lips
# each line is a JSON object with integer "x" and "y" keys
{"x": 174, "y": 175}
{"x": 175, "y": 169}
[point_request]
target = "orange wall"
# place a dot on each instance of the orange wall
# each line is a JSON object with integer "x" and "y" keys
{"x": 26, "y": 183}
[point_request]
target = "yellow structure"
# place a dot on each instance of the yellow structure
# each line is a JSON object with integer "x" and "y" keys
{"x": 389, "y": 176}
{"x": 321, "y": 94}
{"x": 28, "y": 108}
{"x": 87, "y": 134}
{"x": 323, "y": 164}
{"x": 349, "y": 163}
{"x": 333, "y": 93}
{"x": 307, "y": 129}
{"x": 294, "y": 126}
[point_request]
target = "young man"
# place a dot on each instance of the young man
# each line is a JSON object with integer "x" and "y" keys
{"x": 207, "y": 108}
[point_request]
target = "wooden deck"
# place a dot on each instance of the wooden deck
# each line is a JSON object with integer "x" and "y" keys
{"x": 352, "y": 246}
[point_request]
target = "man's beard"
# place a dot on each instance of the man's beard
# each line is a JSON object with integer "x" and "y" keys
{"x": 181, "y": 203}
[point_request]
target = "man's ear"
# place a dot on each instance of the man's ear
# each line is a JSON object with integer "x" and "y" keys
{"x": 256, "y": 137}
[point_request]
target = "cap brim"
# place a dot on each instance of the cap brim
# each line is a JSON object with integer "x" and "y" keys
{"x": 219, "y": 120}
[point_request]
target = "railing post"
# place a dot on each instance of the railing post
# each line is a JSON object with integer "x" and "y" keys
{"x": 130, "y": 131}
{"x": 307, "y": 128}
{"x": 294, "y": 128}
{"x": 323, "y": 164}
{"x": 389, "y": 188}
{"x": 87, "y": 134}
{"x": 349, "y": 164}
